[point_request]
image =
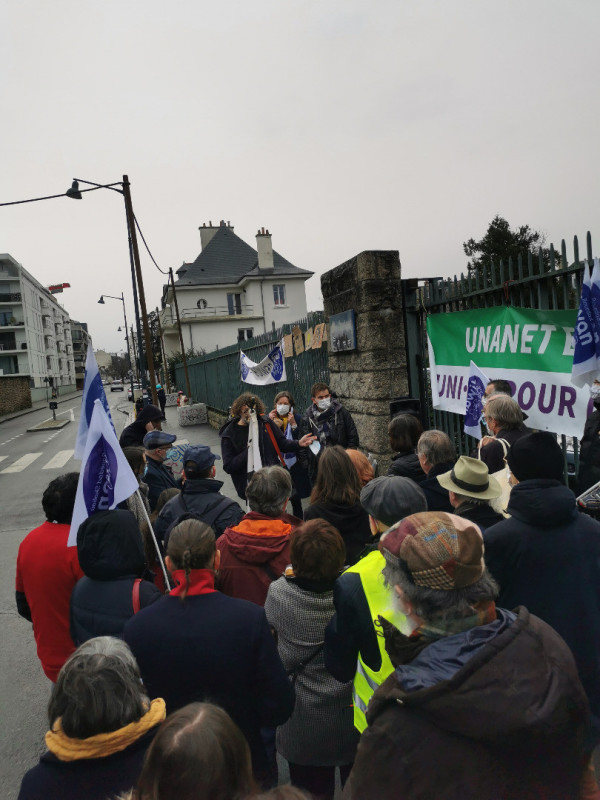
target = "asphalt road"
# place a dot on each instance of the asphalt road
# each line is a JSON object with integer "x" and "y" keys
{"x": 37, "y": 458}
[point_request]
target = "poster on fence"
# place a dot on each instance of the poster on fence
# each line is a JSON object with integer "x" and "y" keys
{"x": 270, "y": 370}
{"x": 531, "y": 349}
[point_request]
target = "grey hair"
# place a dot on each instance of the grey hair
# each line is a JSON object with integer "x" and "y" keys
{"x": 436, "y": 447}
{"x": 505, "y": 411}
{"x": 440, "y": 605}
{"x": 268, "y": 490}
{"x": 475, "y": 501}
{"x": 99, "y": 690}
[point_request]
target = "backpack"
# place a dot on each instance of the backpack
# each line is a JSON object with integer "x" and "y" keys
{"x": 208, "y": 516}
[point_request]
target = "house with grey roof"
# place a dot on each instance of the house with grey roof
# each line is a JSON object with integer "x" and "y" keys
{"x": 231, "y": 292}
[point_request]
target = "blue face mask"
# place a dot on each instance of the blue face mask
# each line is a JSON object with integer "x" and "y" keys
{"x": 171, "y": 454}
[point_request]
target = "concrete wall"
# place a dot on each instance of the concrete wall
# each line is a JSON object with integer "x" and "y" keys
{"x": 366, "y": 379}
{"x": 15, "y": 394}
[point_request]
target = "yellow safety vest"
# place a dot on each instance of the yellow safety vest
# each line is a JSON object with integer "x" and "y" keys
{"x": 379, "y": 598}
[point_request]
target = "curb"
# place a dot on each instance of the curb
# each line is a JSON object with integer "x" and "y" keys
{"x": 24, "y": 411}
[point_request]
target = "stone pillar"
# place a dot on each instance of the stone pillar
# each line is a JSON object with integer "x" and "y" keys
{"x": 366, "y": 379}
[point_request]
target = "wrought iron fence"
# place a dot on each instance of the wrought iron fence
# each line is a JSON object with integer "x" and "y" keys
{"x": 215, "y": 378}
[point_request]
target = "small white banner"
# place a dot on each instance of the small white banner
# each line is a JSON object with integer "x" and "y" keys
{"x": 270, "y": 370}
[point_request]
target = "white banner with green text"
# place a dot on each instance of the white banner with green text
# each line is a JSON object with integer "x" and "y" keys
{"x": 531, "y": 349}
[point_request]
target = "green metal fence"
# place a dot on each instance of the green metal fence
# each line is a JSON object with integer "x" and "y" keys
{"x": 215, "y": 378}
{"x": 533, "y": 281}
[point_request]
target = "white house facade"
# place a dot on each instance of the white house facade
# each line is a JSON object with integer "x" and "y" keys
{"x": 231, "y": 292}
{"x": 35, "y": 332}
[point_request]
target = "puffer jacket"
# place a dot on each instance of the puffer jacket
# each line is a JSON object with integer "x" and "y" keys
{"x": 495, "y": 712}
{"x": 254, "y": 552}
{"x": 133, "y": 435}
{"x": 111, "y": 555}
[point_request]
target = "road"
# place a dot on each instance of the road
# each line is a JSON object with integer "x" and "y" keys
{"x": 28, "y": 462}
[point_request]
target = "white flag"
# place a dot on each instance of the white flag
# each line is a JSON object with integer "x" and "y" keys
{"x": 270, "y": 370}
{"x": 475, "y": 394}
{"x": 92, "y": 390}
{"x": 106, "y": 479}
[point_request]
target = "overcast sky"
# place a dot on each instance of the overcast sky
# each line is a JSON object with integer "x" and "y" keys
{"x": 339, "y": 126}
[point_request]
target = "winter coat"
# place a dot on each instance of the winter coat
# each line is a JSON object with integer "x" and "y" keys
{"x": 88, "y": 778}
{"x": 351, "y": 521}
{"x": 407, "y": 465}
{"x": 321, "y": 730}
{"x": 199, "y": 496}
{"x": 254, "y": 553}
{"x": 483, "y": 516}
{"x": 111, "y": 555}
{"x": 133, "y": 435}
{"x": 492, "y": 453}
{"x": 234, "y": 449}
{"x": 158, "y": 478}
{"x": 547, "y": 558}
{"x": 495, "y": 712}
{"x": 47, "y": 571}
{"x": 216, "y": 649}
{"x": 437, "y": 497}
{"x": 334, "y": 426}
{"x": 589, "y": 452}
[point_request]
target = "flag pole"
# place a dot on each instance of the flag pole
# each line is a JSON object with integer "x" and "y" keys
{"x": 158, "y": 553}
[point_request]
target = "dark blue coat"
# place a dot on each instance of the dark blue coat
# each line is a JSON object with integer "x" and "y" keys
{"x": 217, "y": 649}
{"x": 110, "y": 551}
{"x": 546, "y": 557}
{"x": 158, "y": 477}
{"x": 89, "y": 778}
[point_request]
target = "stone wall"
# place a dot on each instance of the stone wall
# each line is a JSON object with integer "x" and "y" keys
{"x": 366, "y": 379}
{"x": 15, "y": 394}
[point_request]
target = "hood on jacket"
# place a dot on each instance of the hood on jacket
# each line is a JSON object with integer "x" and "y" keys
{"x": 258, "y": 539}
{"x": 338, "y": 514}
{"x": 109, "y": 546}
{"x": 507, "y": 682}
{"x": 542, "y": 503}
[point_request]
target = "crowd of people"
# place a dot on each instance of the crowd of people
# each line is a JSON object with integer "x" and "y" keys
{"x": 429, "y": 632}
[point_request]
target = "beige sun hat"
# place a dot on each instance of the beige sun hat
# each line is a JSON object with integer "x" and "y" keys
{"x": 470, "y": 477}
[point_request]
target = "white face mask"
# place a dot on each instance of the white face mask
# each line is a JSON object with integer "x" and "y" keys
{"x": 595, "y": 392}
{"x": 324, "y": 403}
{"x": 283, "y": 409}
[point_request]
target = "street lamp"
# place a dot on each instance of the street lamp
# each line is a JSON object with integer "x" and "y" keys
{"x": 122, "y": 299}
{"x": 136, "y": 271}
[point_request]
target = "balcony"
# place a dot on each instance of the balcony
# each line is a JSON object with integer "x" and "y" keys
{"x": 11, "y": 322}
{"x": 168, "y": 320}
{"x": 9, "y": 365}
{"x": 10, "y": 297}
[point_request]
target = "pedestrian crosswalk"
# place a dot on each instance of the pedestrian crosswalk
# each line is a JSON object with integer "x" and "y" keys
{"x": 57, "y": 461}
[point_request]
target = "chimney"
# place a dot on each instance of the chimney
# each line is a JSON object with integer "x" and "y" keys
{"x": 265, "y": 249}
{"x": 208, "y": 231}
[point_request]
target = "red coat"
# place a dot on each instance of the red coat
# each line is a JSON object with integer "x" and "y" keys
{"x": 253, "y": 553}
{"x": 47, "y": 571}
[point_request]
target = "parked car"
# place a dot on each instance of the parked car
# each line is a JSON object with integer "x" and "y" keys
{"x": 136, "y": 387}
{"x": 117, "y": 386}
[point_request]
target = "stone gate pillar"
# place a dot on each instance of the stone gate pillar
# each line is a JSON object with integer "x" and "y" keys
{"x": 366, "y": 379}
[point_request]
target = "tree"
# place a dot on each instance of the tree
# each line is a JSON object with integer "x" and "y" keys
{"x": 119, "y": 366}
{"x": 177, "y": 358}
{"x": 500, "y": 243}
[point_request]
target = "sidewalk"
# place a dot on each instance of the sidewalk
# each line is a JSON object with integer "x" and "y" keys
{"x": 40, "y": 404}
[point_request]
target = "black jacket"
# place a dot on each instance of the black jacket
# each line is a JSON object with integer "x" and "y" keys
{"x": 199, "y": 495}
{"x": 406, "y": 465}
{"x": 218, "y": 649}
{"x": 335, "y": 426}
{"x": 437, "y": 497}
{"x": 234, "y": 449}
{"x": 492, "y": 453}
{"x": 547, "y": 558}
{"x": 110, "y": 551}
{"x": 158, "y": 478}
{"x": 483, "y": 516}
{"x": 133, "y": 435}
{"x": 89, "y": 778}
{"x": 589, "y": 452}
{"x": 351, "y": 521}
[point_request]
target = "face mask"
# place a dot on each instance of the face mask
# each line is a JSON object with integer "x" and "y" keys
{"x": 171, "y": 454}
{"x": 283, "y": 409}
{"x": 324, "y": 404}
{"x": 314, "y": 447}
{"x": 595, "y": 392}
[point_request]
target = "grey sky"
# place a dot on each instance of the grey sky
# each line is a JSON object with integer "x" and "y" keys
{"x": 339, "y": 126}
